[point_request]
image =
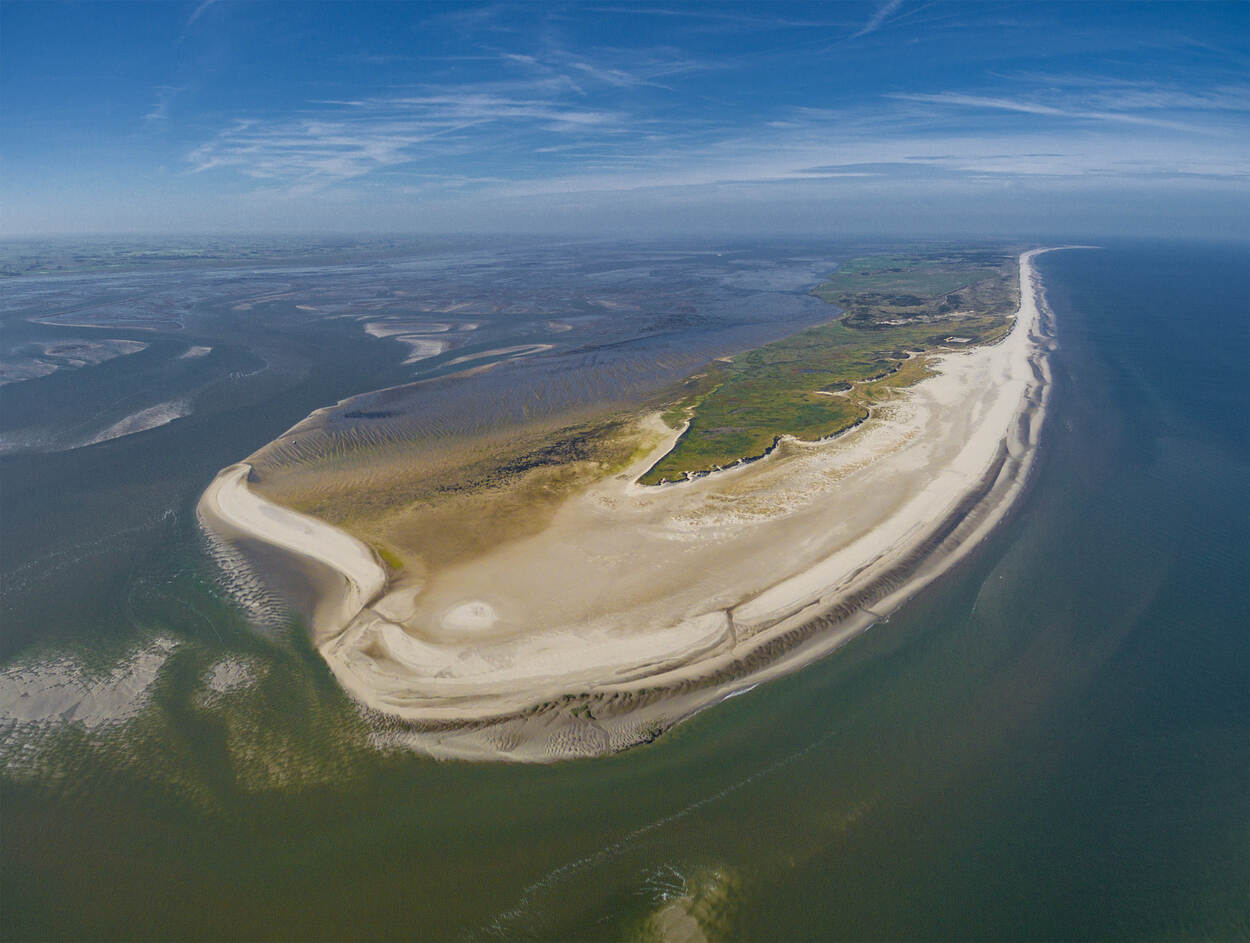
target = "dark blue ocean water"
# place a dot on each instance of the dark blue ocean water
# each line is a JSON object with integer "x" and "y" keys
{"x": 1051, "y": 743}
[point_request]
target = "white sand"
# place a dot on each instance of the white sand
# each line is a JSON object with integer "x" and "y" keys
{"x": 421, "y": 348}
{"x": 414, "y": 335}
{"x": 395, "y": 328}
{"x": 232, "y": 674}
{"x": 142, "y": 421}
{"x": 228, "y": 507}
{"x": 647, "y": 604}
{"x": 63, "y": 690}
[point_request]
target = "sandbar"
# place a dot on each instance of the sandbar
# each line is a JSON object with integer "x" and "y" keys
{"x": 638, "y": 606}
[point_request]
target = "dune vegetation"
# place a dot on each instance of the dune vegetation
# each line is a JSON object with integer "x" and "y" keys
{"x": 896, "y": 309}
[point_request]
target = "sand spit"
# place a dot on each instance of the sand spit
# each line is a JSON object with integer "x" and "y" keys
{"x": 228, "y": 508}
{"x": 638, "y": 606}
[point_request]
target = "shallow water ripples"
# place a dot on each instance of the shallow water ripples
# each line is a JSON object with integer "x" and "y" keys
{"x": 43, "y": 569}
{"x": 529, "y": 917}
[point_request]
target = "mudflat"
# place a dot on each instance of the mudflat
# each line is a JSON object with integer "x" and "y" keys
{"x": 637, "y": 605}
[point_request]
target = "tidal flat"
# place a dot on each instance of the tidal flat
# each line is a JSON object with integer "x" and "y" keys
{"x": 1048, "y": 737}
{"x": 629, "y": 607}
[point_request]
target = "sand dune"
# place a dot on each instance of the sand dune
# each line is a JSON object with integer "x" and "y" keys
{"x": 638, "y": 606}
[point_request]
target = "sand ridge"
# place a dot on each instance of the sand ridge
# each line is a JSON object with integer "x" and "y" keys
{"x": 639, "y": 605}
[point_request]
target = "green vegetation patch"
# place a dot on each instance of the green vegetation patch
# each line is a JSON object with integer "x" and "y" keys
{"x": 816, "y": 383}
{"x": 885, "y": 290}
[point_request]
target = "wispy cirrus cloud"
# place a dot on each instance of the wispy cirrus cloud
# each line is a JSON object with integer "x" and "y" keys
{"x": 878, "y": 18}
{"x": 555, "y": 103}
{"x": 1121, "y": 94}
{"x": 514, "y": 145}
{"x": 312, "y": 153}
{"x": 552, "y": 120}
{"x": 346, "y": 139}
{"x": 611, "y": 67}
{"x": 1034, "y": 108}
{"x": 165, "y": 95}
{"x": 199, "y": 11}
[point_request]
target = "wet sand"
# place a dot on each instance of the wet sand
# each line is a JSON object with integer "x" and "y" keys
{"x": 638, "y": 606}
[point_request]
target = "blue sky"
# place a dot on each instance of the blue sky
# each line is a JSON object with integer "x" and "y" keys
{"x": 895, "y": 116}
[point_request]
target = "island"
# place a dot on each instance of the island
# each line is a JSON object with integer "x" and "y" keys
{"x": 581, "y": 589}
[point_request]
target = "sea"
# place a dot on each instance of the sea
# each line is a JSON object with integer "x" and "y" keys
{"x": 1051, "y": 743}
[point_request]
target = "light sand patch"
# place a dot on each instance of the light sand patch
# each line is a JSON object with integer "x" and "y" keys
{"x": 195, "y": 352}
{"x": 145, "y": 419}
{"x": 523, "y": 350}
{"x": 63, "y": 690}
{"x": 394, "y": 328}
{"x": 421, "y": 348}
{"x": 232, "y": 674}
{"x": 65, "y": 354}
{"x": 413, "y": 334}
{"x": 470, "y": 618}
{"x": 15, "y": 371}
{"x": 639, "y": 605}
{"x": 82, "y": 353}
{"x": 229, "y": 508}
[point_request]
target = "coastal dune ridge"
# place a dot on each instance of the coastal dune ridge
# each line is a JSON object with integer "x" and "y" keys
{"x": 637, "y": 606}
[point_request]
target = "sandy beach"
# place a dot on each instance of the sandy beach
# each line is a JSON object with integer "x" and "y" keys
{"x": 229, "y": 509}
{"x": 638, "y": 606}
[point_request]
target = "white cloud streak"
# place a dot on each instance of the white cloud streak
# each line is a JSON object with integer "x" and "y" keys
{"x": 1033, "y": 108}
{"x": 882, "y": 13}
{"x": 549, "y": 131}
{"x": 165, "y": 95}
{"x": 199, "y": 11}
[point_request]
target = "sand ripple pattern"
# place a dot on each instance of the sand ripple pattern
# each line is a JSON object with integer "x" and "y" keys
{"x": 238, "y": 580}
{"x": 638, "y": 606}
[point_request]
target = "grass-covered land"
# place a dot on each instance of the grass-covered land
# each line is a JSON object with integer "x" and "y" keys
{"x": 811, "y": 385}
{"x": 888, "y": 290}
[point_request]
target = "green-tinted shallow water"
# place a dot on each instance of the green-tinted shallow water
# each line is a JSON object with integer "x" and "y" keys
{"x": 1051, "y": 744}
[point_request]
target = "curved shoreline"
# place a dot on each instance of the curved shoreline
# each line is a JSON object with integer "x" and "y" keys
{"x": 533, "y": 679}
{"x": 229, "y": 509}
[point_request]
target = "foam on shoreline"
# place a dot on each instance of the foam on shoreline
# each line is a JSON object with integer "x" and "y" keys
{"x": 639, "y": 605}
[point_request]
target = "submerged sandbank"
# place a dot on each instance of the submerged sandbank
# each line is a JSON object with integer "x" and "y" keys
{"x": 638, "y": 605}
